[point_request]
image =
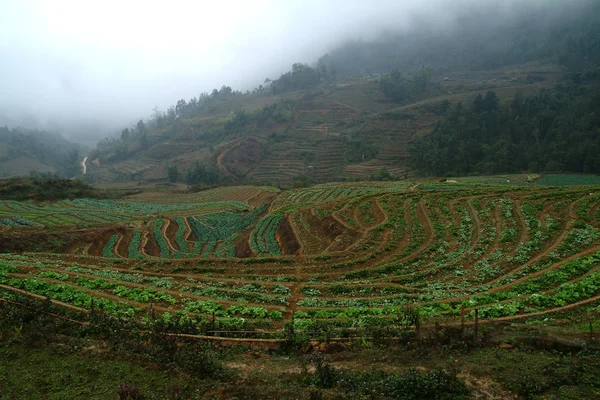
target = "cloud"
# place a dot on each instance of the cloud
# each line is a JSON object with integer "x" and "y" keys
{"x": 113, "y": 61}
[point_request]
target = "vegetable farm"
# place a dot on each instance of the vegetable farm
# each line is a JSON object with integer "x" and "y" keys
{"x": 362, "y": 256}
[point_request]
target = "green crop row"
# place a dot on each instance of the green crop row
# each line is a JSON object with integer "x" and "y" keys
{"x": 162, "y": 282}
{"x": 262, "y": 238}
{"x": 160, "y": 239}
{"x": 134, "y": 246}
{"x": 227, "y": 249}
{"x": 210, "y": 307}
{"x": 17, "y": 221}
{"x": 183, "y": 247}
{"x": 222, "y": 226}
{"x": 107, "y": 251}
{"x": 70, "y": 295}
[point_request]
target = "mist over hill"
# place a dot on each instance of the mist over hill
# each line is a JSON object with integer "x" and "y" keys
{"x": 33, "y": 152}
{"x": 364, "y": 110}
{"x": 365, "y": 82}
{"x": 65, "y": 71}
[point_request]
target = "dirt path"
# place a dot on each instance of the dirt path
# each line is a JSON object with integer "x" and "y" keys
{"x": 335, "y": 216}
{"x": 366, "y": 231}
{"x": 524, "y": 233}
{"x": 166, "y": 236}
{"x": 540, "y": 255}
{"x": 429, "y": 240}
{"x": 117, "y": 245}
{"x": 295, "y": 233}
{"x": 429, "y": 232}
{"x": 143, "y": 244}
{"x": 296, "y": 294}
{"x": 188, "y": 229}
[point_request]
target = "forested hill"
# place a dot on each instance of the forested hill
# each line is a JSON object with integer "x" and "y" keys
{"x": 358, "y": 111}
{"x": 24, "y": 152}
{"x": 481, "y": 40}
{"x": 554, "y": 130}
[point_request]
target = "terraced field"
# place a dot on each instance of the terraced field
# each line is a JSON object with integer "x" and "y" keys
{"x": 337, "y": 257}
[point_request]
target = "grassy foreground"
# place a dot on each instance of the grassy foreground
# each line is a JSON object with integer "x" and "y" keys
{"x": 49, "y": 357}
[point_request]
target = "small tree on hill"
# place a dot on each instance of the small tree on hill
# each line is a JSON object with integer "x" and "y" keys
{"x": 172, "y": 173}
{"x": 144, "y": 141}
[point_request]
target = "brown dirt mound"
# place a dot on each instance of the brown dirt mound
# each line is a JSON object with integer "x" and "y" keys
{"x": 99, "y": 240}
{"x": 326, "y": 226}
{"x": 151, "y": 247}
{"x": 242, "y": 245}
{"x": 242, "y": 157}
{"x": 287, "y": 239}
{"x": 328, "y": 229}
{"x": 37, "y": 239}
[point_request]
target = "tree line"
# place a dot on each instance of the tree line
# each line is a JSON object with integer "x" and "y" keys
{"x": 401, "y": 87}
{"x": 556, "y": 130}
{"x": 46, "y": 147}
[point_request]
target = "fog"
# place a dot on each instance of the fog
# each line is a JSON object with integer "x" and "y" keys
{"x": 88, "y": 68}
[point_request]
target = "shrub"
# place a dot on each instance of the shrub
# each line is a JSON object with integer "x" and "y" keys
{"x": 128, "y": 391}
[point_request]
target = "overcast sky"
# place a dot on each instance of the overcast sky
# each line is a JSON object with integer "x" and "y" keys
{"x": 113, "y": 61}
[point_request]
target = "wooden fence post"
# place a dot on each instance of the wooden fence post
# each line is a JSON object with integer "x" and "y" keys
{"x": 213, "y": 323}
{"x": 462, "y": 321}
{"x": 476, "y": 324}
{"x": 292, "y": 329}
{"x": 418, "y": 326}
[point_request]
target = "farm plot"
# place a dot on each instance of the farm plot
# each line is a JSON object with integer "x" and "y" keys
{"x": 92, "y": 212}
{"x": 208, "y": 235}
{"x": 262, "y": 238}
{"x": 511, "y": 253}
{"x": 220, "y": 230}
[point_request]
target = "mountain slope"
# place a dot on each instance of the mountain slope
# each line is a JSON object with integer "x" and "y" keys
{"x": 336, "y": 131}
{"x": 23, "y": 152}
{"x": 347, "y": 118}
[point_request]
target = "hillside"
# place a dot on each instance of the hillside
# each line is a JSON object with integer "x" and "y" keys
{"x": 24, "y": 151}
{"x": 326, "y": 254}
{"x": 34, "y": 188}
{"x": 354, "y": 115}
{"x": 491, "y": 269}
{"x": 343, "y": 130}
{"x": 414, "y": 215}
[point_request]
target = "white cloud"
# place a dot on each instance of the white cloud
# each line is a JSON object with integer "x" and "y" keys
{"x": 115, "y": 60}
